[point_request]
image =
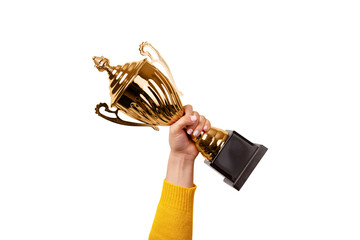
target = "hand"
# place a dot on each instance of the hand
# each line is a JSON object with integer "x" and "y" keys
{"x": 190, "y": 125}
{"x": 183, "y": 149}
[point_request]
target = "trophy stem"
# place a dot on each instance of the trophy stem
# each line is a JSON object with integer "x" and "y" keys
{"x": 210, "y": 143}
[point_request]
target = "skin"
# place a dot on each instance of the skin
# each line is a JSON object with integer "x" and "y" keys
{"x": 180, "y": 169}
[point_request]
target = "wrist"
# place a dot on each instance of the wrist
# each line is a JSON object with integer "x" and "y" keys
{"x": 180, "y": 170}
{"x": 182, "y": 157}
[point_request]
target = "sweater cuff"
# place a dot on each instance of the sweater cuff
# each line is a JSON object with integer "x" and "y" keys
{"x": 174, "y": 196}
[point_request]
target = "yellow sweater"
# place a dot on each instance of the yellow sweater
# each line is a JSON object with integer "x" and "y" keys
{"x": 174, "y": 215}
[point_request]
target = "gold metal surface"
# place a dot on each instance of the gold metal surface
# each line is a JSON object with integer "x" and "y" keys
{"x": 159, "y": 60}
{"x": 143, "y": 92}
{"x": 209, "y": 143}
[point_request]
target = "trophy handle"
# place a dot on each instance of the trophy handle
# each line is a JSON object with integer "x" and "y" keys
{"x": 159, "y": 60}
{"x": 117, "y": 119}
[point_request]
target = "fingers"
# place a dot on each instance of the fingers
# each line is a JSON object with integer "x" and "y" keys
{"x": 187, "y": 120}
{"x": 191, "y": 128}
{"x": 192, "y": 122}
{"x": 202, "y": 125}
{"x": 207, "y": 125}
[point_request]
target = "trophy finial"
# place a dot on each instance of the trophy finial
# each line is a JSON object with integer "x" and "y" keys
{"x": 101, "y": 63}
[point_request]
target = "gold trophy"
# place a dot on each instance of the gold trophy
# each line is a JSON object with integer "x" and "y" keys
{"x": 143, "y": 92}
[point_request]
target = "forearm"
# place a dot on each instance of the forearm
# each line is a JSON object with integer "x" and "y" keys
{"x": 180, "y": 170}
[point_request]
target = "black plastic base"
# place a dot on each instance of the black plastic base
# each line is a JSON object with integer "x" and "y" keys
{"x": 237, "y": 159}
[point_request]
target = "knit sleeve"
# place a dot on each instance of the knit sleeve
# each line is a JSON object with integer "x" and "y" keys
{"x": 174, "y": 214}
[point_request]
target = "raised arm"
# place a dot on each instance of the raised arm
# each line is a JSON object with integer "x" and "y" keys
{"x": 174, "y": 215}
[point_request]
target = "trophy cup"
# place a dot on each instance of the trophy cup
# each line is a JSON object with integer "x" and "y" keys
{"x": 143, "y": 92}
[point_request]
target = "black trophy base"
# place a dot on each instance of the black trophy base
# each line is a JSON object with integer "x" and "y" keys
{"x": 237, "y": 159}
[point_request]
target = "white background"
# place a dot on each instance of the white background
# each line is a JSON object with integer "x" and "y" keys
{"x": 282, "y": 73}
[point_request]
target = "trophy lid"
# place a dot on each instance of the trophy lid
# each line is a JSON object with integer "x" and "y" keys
{"x": 120, "y": 76}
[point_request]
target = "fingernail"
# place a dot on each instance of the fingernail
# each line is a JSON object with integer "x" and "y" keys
{"x": 205, "y": 128}
{"x": 193, "y": 118}
{"x": 189, "y": 131}
{"x": 196, "y": 133}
